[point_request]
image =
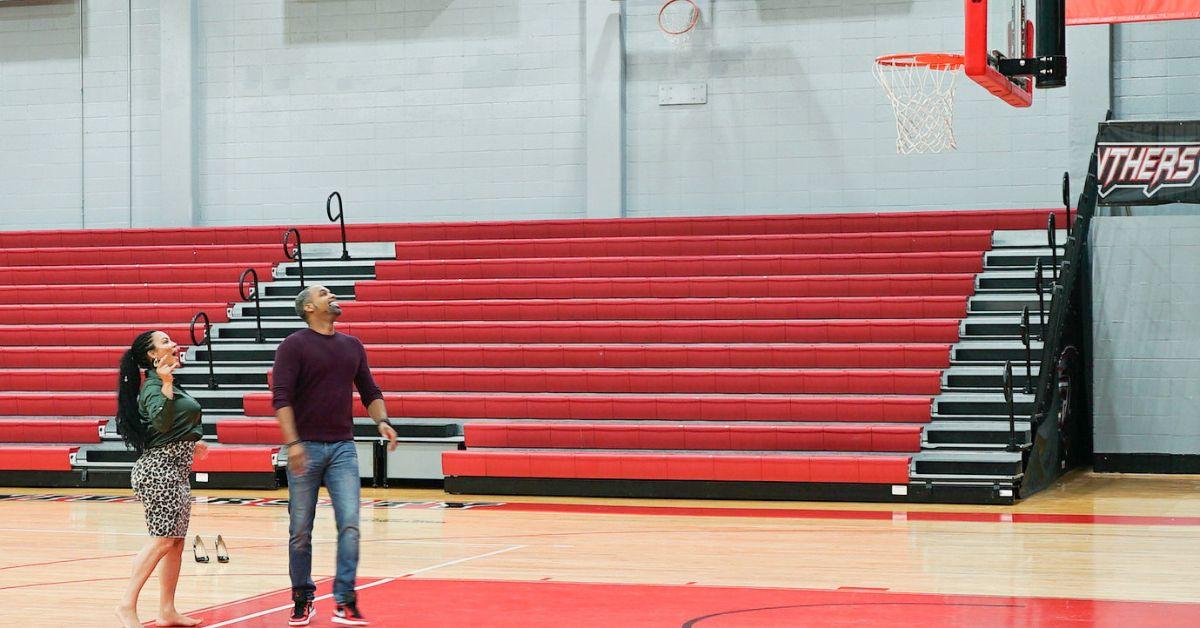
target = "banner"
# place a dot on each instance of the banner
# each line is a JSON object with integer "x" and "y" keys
{"x": 1080, "y": 12}
{"x": 1148, "y": 163}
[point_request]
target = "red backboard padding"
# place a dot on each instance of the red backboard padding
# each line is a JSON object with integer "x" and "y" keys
{"x": 1080, "y": 12}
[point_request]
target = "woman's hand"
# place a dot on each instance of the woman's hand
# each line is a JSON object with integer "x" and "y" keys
{"x": 201, "y": 450}
{"x": 165, "y": 367}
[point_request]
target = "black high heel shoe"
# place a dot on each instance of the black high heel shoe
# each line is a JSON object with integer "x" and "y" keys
{"x": 222, "y": 550}
{"x": 199, "y": 552}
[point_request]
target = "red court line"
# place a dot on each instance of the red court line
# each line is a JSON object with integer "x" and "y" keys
{"x": 880, "y": 515}
{"x": 539, "y": 604}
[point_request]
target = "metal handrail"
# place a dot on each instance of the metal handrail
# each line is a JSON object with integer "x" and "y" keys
{"x": 1065, "y": 332}
{"x": 1012, "y": 417}
{"x": 258, "y": 336}
{"x": 212, "y": 375}
{"x": 1052, "y": 239}
{"x": 1066, "y": 191}
{"x": 294, "y": 253}
{"x": 1028, "y": 351}
{"x": 1037, "y": 285}
{"x": 341, "y": 217}
{"x": 1061, "y": 313}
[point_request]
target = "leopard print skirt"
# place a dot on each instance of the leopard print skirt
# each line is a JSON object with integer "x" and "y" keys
{"x": 160, "y": 481}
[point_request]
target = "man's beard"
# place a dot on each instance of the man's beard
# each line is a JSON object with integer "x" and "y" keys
{"x": 335, "y": 309}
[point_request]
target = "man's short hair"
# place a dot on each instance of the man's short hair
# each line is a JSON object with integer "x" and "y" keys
{"x": 303, "y": 298}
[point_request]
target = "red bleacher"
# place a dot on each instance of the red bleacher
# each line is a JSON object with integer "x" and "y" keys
{"x": 684, "y": 266}
{"x": 907, "y": 307}
{"x": 677, "y": 466}
{"x": 43, "y": 315}
{"x": 784, "y": 244}
{"x": 650, "y": 407}
{"x": 238, "y": 459}
{"x": 840, "y": 355}
{"x": 690, "y": 436}
{"x": 37, "y": 457}
{"x": 748, "y": 349}
{"x": 669, "y": 287}
{"x": 51, "y": 430}
{"x": 703, "y": 225}
{"x": 674, "y": 381}
{"x": 660, "y": 331}
{"x": 249, "y": 432}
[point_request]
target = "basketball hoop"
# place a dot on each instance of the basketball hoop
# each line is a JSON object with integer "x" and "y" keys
{"x": 677, "y": 18}
{"x": 921, "y": 90}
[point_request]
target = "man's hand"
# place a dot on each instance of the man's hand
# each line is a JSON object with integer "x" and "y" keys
{"x": 297, "y": 459}
{"x": 387, "y": 432}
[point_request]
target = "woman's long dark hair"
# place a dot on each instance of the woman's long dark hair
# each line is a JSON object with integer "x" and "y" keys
{"x": 129, "y": 384}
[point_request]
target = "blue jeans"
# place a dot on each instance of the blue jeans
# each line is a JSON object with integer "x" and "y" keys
{"x": 336, "y": 465}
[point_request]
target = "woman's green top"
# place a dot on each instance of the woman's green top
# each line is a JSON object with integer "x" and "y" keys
{"x": 168, "y": 420}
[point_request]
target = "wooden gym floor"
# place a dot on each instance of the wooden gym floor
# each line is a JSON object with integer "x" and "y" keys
{"x": 1095, "y": 550}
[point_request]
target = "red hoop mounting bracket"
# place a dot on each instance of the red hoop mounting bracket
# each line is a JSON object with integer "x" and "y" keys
{"x": 978, "y": 66}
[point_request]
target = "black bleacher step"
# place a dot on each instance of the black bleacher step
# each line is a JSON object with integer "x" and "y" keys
{"x": 344, "y": 269}
{"x": 365, "y": 428}
{"x": 197, "y": 377}
{"x": 1007, "y": 327}
{"x": 984, "y": 463}
{"x": 1013, "y": 280}
{"x": 264, "y": 353}
{"x": 272, "y": 311}
{"x": 1018, "y": 258}
{"x": 994, "y": 436}
{"x": 111, "y": 456}
{"x": 994, "y": 352}
{"x": 985, "y": 379}
{"x": 1008, "y": 302}
{"x": 997, "y": 407}
{"x": 279, "y": 289}
{"x": 249, "y": 333}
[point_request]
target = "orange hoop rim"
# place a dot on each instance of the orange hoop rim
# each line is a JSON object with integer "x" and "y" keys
{"x": 692, "y": 24}
{"x": 931, "y": 60}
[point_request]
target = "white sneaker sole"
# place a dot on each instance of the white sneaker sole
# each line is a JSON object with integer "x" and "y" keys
{"x": 303, "y": 622}
{"x": 349, "y": 622}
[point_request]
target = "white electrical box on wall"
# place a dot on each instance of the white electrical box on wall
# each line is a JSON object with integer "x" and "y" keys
{"x": 683, "y": 94}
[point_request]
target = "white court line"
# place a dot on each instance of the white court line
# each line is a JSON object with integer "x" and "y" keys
{"x": 111, "y": 533}
{"x": 280, "y": 539}
{"x": 371, "y": 584}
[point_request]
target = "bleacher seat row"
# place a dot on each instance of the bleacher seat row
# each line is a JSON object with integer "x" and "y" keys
{"x": 738, "y": 350}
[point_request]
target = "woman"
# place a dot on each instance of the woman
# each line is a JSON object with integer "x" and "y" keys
{"x": 160, "y": 421}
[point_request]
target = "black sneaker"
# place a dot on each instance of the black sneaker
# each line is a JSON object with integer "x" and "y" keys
{"x": 347, "y": 614}
{"x": 302, "y": 613}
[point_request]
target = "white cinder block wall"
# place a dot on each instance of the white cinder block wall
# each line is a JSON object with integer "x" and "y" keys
{"x": 474, "y": 109}
{"x": 795, "y": 121}
{"x": 51, "y": 167}
{"x": 414, "y": 110}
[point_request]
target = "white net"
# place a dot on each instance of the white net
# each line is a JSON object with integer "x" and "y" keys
{"x": 921, "y": 90}
{"x": 677, "y": 19}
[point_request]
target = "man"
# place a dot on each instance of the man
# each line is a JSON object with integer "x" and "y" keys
{"x": 313, "y": 370}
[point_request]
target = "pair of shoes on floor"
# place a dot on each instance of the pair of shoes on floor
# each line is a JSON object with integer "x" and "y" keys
{"x": 200, "y": 552}
{"x": 346, "y": 613}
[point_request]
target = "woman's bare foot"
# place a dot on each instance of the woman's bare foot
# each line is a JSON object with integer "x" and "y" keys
{"x": 174, "y": 618}
{"x": 128, "y": 616}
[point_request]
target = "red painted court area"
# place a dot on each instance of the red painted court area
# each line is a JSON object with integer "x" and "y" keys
{"x": 503, "y": 604}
